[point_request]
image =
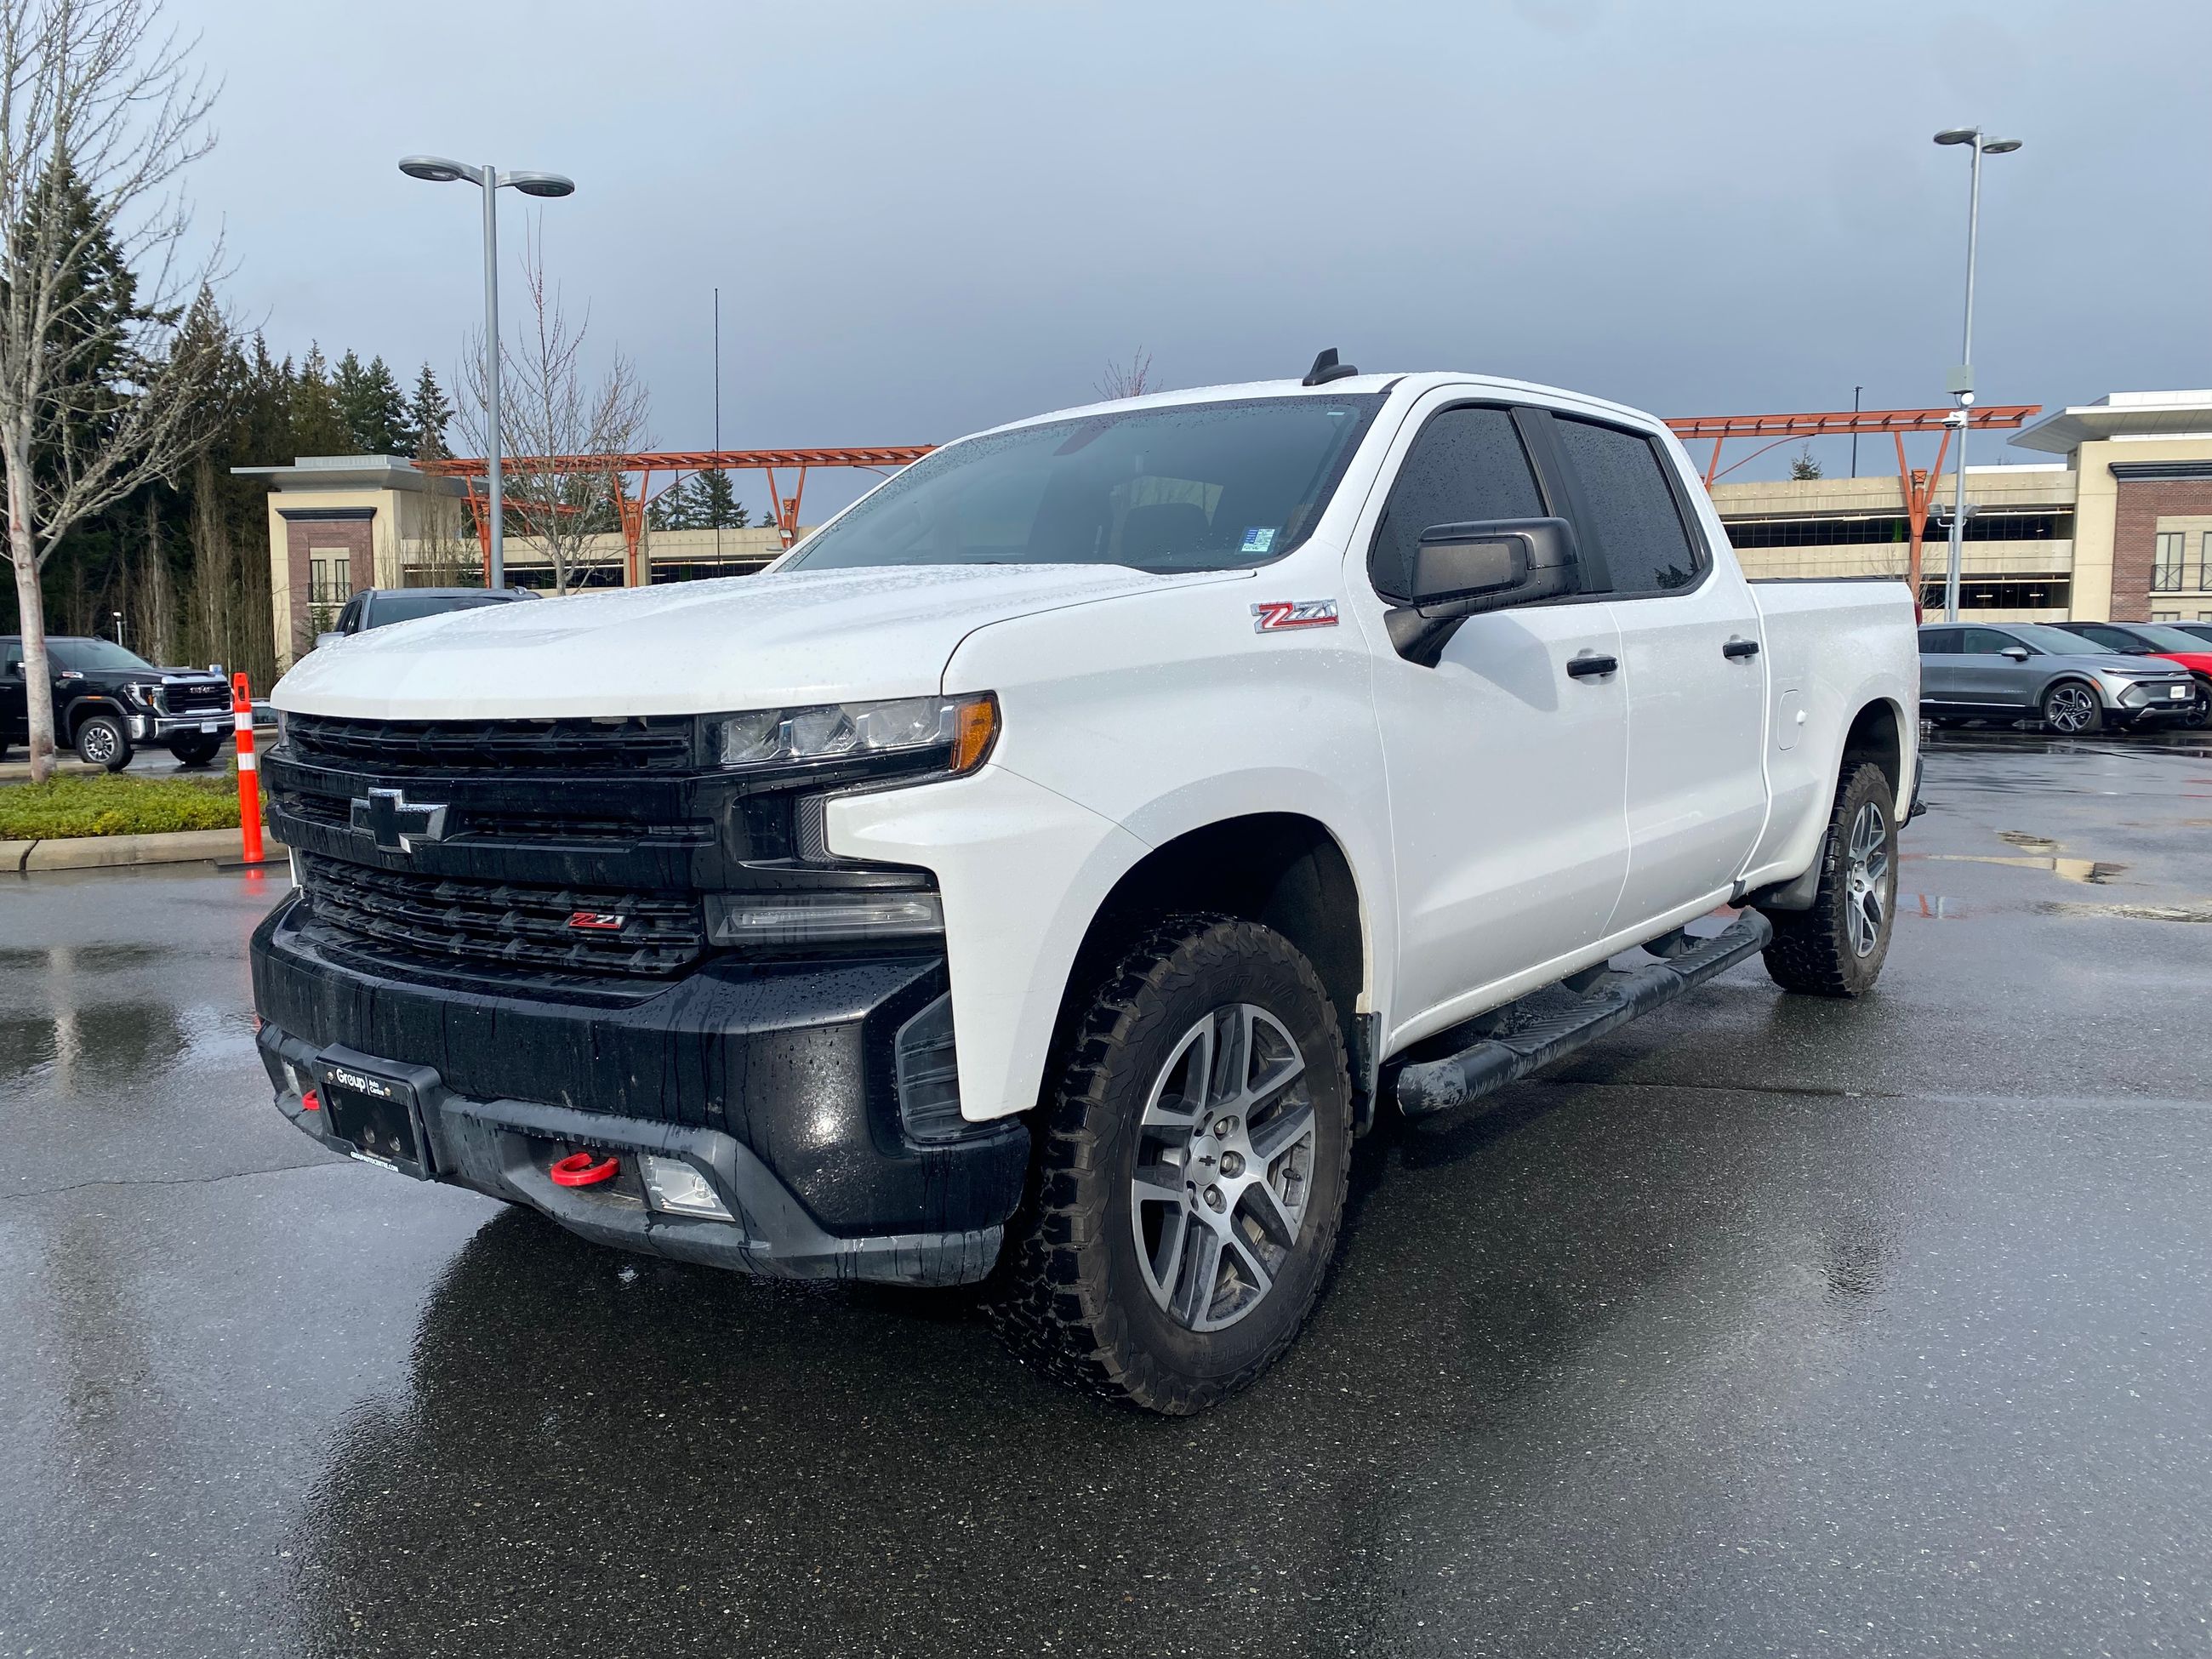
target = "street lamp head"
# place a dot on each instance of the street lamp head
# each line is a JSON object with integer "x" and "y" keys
{"x": 540, "y": 183}
{"x": 1958, "y": 134}
{"x": 435, "y": 169}
{"x": 2000, "y": 146}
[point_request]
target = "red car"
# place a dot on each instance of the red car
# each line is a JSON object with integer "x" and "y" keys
{"x": 2157, "y": 640}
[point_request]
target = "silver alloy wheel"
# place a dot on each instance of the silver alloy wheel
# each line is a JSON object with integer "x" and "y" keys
{"x": 2069, "y": 708}
{"x": 1866, "y": 897}
{"x": 1224, "y": 1167}
{"x": 99, "y": 742}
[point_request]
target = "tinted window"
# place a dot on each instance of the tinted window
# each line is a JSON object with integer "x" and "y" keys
{"x": 392, "y": 608}
{"x": 1939, "y": 642}
{"x": 11, "y": 654}
{"x": 2112, "y": 639}
{"x": 1988, "y": 642}
{"x": 87, "y": 655}
{"x": 1189, "y": 487}
{"x": 1630, "y": 505}
{"x": 1467, "y": 464}
{"x": 2057, "y": 641}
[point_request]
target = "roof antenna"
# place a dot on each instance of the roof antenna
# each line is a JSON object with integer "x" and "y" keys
{"x": 1327, "y": 369}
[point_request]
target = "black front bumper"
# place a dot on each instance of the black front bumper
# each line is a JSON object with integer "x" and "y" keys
{"x": 774, "y": 1080}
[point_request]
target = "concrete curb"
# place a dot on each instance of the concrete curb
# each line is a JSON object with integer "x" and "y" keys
{"x": 116, "y": 852}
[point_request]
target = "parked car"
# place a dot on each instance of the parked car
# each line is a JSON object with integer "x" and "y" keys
{"x": 2155, "y": 640}
{"x": 107, "y": 700}
{"x": 2195, "y": 630}
{"x": 380, "y": 607}
{"x": 1053, "y": 862}
{"x": 2032, "y": 671}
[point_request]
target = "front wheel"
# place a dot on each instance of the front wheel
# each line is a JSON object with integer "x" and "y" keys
{"x": 196, "y": 750}
{"x": 1191, "y": 1171}
{"x": 2200, "y": 712}
{"x": 1836, "y": 949}
{"x": 102, "y": 741}
{"x": 2071, "y": 709}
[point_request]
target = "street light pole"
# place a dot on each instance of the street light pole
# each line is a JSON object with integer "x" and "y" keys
{"x": 1962, "y": 378}
{"x": 437, "y": 170}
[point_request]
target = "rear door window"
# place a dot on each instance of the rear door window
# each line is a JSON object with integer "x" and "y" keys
{"x": 1988, "y": 642}
{"x": 1939, "y": 642}
{"x": 1629, "y": 506}
{"x": 1466, "y": 465}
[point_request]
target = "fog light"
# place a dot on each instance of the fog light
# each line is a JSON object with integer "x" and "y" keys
{"x": 672, "y": 1185}
{"x": 928, "y": 1075}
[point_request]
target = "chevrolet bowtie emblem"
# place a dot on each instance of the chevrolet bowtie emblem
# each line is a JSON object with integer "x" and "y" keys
{"x": 395, "y": 823}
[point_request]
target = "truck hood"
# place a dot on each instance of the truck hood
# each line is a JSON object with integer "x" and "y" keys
{"x": 791, "y": 637}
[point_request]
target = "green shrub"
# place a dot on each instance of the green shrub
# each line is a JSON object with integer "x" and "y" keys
{"x": 115, "y": 803}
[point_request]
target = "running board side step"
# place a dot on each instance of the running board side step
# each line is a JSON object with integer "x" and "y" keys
{"x": 1438, "y": 1086}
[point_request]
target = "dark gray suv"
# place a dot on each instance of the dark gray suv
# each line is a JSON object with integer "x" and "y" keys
{"x": 2012, "y": 672}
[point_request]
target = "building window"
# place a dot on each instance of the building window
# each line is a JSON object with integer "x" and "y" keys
{"x": 330, "y": 579}
{"x": 2003, "y": 593}
{"x": 2204, "y": 564}
{"x": 2165, "y": 563}
{"x": 1859, "y": 532}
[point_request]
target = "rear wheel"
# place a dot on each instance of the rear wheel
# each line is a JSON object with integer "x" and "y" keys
{"x": 1836, "y": 949}
{"x": 1191, "y": 1172}
{"x": 101, "y": 740}
{"x": 2071, "y": 709}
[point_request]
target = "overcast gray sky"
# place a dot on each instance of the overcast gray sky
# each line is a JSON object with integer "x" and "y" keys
{"x": 929, "y": 217}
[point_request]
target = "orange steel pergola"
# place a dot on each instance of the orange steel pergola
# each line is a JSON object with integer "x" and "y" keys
{"x": 644, "y": 466}
{"x": 1917, "y": 485}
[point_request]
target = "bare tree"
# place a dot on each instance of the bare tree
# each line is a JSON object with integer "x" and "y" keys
{"x": 548, "y": 409}
{"x": 1130, "y": 379}
{"x": 101, "y": 379}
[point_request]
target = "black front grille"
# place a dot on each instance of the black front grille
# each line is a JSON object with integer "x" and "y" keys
{"x": 660, "y": 742}
{"x": 477, "y": 823}
{"x": 197, "y": 699}
{"x": 459, "y": 921}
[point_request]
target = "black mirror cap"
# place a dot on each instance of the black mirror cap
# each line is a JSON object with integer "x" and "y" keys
{"x": 1462, "y": 570}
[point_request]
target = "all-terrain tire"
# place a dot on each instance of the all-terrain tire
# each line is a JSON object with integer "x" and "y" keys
{"x": 1071, "y": 1296}
{"x": 1815, "y": 952}
{"x": 103, "y": 740}
{"x": 197, "y": 750}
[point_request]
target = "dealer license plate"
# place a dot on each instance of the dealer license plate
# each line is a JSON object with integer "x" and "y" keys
{"x": 377, "y": 1117}
{"x": 210, "y": 727}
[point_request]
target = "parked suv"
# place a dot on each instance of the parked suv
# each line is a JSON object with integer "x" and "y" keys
{"x": 2032, "y": 671}
{"x": 1050, "y": 865}
{"x": 2148, "y": 642}
{"x": 380, "y": 607}
{"x": 107, "y": 700}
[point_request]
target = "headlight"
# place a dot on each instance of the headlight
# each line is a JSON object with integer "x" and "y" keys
{"x": 822, "y": 916}
{"x": 960, "y": 729}
{"x": 142, "y": 695}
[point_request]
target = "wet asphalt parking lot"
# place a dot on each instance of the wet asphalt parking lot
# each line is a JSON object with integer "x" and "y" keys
{"x": 1767, "y": 1326}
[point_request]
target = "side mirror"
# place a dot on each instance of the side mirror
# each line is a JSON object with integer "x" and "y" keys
{"x": 2014, "y": 654}
{"x": 1461, "y": 570}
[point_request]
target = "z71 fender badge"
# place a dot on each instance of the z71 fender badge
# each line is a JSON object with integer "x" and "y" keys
{"x": 1280, "y": 616}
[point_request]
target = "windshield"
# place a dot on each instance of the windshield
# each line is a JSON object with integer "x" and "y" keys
{"x": 2056, "y": 641}
{"x": 2170, "y": 639}
{"x": 89, "y": 655}
{"x": 389, "y": 608}
{"x": 1192, "y": 487}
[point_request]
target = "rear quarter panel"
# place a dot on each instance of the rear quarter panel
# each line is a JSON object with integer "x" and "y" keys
{"x": 1832, "y": 649}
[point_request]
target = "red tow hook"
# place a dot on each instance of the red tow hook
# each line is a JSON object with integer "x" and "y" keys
{"x": 310, "y": 1102}
{"x": 577, "y": 1169}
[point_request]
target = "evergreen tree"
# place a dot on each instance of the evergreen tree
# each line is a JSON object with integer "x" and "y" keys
{"x": 1805, "y": 468}
{"x": 370, "y": 405}
{"x": 318, "y": 424}
{"x": 429, "y": 415}
{"x": 714, "y": 502}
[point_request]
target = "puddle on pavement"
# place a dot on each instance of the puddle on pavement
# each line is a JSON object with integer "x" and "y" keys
{"x": 2200, "y": 910}
{"x": 1933, "y": 907}
{"x": 2095, "y": 872}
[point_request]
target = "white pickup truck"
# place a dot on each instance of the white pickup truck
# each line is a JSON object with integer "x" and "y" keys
{"x": 1046, "y": 870}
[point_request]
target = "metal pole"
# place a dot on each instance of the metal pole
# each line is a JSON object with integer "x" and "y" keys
{"x": 718, "y": 417}
{"x": 1965, "y": 398}
{"x": 491, "y": 371}
{"x": 1856, "y": 391}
